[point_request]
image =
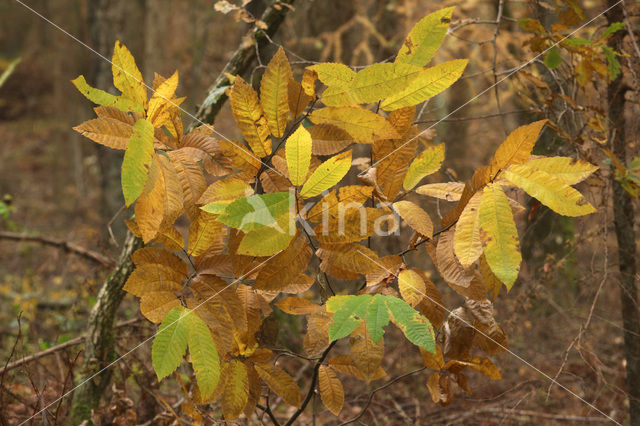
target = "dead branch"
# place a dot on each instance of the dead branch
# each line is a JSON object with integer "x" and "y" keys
{"x": 62, "y": 244}
{"x": 57, "y": 348}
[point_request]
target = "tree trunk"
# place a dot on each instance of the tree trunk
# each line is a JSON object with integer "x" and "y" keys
{"x": 98, "y": 352}
{"x": 99, "y": 348}
{"x": 623, "y": 220}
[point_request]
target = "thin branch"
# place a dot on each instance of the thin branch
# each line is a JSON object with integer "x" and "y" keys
{"x": 477, "y": 117}
{"x": 268, "y": 412}
{"x": 312, "y": 386}
{"x": 57, "y": 348}
{"x": 371, "y": 395}
{"x": 64, "y": 245}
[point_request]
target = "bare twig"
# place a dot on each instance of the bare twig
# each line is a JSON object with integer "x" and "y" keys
{"x": 65, "y": 245}
{"x": 56, "y": 348}
{"x": 371, "y": 395}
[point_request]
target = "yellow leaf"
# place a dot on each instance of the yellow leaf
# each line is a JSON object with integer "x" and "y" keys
{"x": 107, "y": 131}
{"x": 316, "y": 339}
{"x": 282, "y": 269}
{"x": 206, "y": 234}
{"x": 161, "y": 100}
{"x": 448, "y": 264}
{"x": 331, "y": 390}
{"x": 150, "y": 206}
{"x": 425, "y": 38}
{"x": 274, "y": 93}
{"x": 415, "y": 217}
{"x": 332, "y": 74}
{"x": 241, "y": 158}
{"x": 363, "y": 125}
{"x": 372, "y": 84}
{"x": 191, "y": 179}
{"x": 329, "y": 139}
{"x": 344, "y": 364}
{"x": 308, "y": 83}
{"x": 366, "y": 355}
{"x": 550, "y": 191}
{"x": 356, "y": 226}
{"x": 297, "y": 306}
{"x": 448, "y": 191}
{"x": 170, "y": 238}
{"x": 298, "y": 153}
{"x": 392, "y": 159}
{"x": 432, "y": 360}
{"x": 350, "y": 257}
{"x": 516, "y": 149}
{"x": 236, "y": 391}
{"x": 499, "y": 235}
{"x": 101, "y": 97}
{"x": 280, "y": 382}
{"x": 428, "y": 162}
{"x": 411, "y": 286}
{"x": 466, "y": 243}
{"x": 249, "y": 117}
{"x": 126, "y": 76}
{"x": 491, "y": 282}
{"x": 569, "y": 170}
{"x": 426, "y": 85}
{"x": 298, "y": 99}
{"x": 349, "y": 197}
{"x": 327, "y": 175}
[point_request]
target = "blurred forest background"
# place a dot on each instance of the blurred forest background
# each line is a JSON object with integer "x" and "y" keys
{"x": 61, "y": 195}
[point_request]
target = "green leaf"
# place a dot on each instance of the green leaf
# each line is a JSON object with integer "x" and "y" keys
{"x": 269, "y": 240}
{"x": 499, "y": 235}
{"x": 414, "y": 325}
{"x": 577, "y": 41}
{"x": 425, "y": 38}
{"x": 204, "y": 355}
{"x": 170, "y": 344}
{"x": 553, "y": 59}
{"x": 344, "y": 320}
{"x": 377, "y": 318}
{"x": 613, "y": 28}
{"x": 101, "y": 97}
{"x": 426, "y": 85}
{"x": 256, "y": 211}
{"x": 137, "y": 161}
{"x": 613, "y": 65}
{"x": 428, "y": 162}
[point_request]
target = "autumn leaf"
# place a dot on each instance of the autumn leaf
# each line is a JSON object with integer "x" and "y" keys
{"x": 516, "y": 149}
{"x": 126, "y": 76}
{"x": 331, "y": 390}
{"x": 425, "y": 38}
{"x": 333, "y": 74}
{"x": 426, "y": 85}
{"x": 274, "y": 93}
{"x": 415, "y": 217}
{"x": 249, "y": 116}
{"x": 363, "y": 125}
{"x": 100, "y": 97}
{"x": 549, "y": 190}
{"x": 298, "y": 153}
{"x": 428, "y": 162}
{"x": 327, "y": 175}
{"x": 499, "y": 235}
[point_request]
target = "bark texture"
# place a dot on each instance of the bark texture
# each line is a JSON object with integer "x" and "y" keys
{"x": 623, "y": 220}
